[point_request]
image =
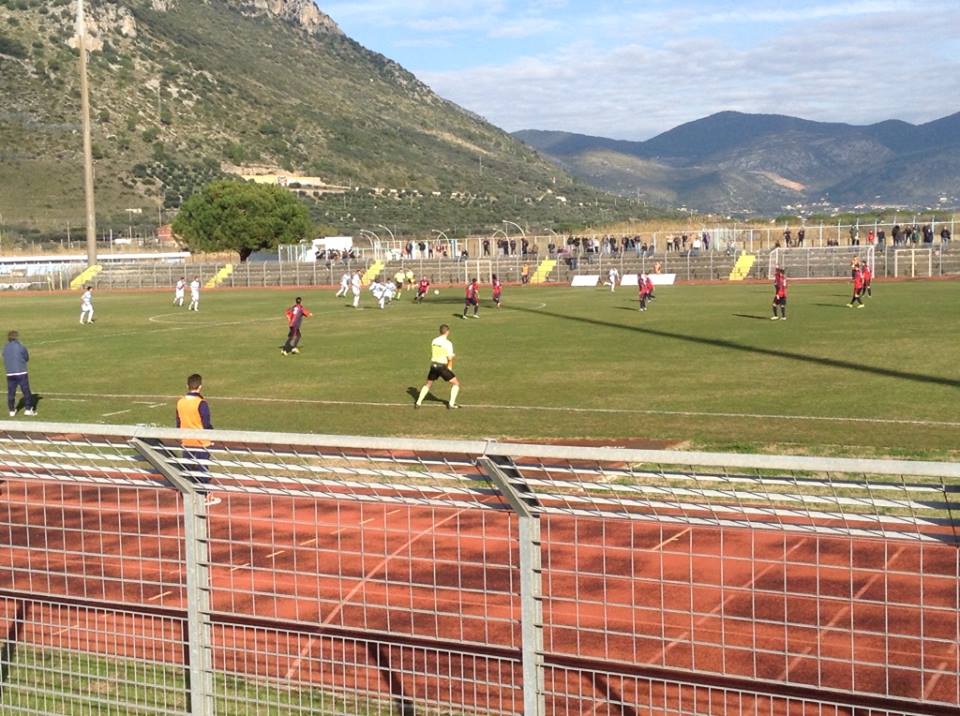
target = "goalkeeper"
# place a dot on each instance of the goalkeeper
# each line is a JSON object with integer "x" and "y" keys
{"x": 441, "y": 365}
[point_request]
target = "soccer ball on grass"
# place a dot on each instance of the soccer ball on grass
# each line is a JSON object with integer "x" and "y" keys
{"x": 436, "y": 292}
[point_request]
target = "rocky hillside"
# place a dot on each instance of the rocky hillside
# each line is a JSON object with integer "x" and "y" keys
{"x": 183, "y": 89}
{"x": 741, "y": 162}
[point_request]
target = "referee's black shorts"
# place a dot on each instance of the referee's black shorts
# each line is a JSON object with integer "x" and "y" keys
{"x": 440, "y": 370}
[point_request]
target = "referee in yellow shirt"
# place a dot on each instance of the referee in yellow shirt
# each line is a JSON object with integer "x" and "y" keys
{"x": 441, "y": 366}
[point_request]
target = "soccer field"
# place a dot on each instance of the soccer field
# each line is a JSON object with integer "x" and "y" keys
{"x": 703, "y": 368}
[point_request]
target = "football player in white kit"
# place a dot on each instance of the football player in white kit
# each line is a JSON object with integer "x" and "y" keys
{"x": 194, "y": 294}
{"x": 355, "y": 284}
{"x": 86, "y": 305}
{"x": 344, "y": 285}
{"x": 178, "y": 292}
{"x": 379, "y": 291}
{"x": 612, "y": 276}
{"x": 390, "y": 291}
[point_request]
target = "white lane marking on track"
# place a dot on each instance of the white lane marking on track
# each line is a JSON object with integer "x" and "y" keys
{"x": 158, "y": 596}
{"x": 239, "y": 566}
{"x": 670, "y": 539}
{"x": 535, "y": 408}
{"x": 842, "y": 612}
{"x": 305, "y": 651}
{"x": 353, "y": 527}
{"x": 274, "y": 554}
{"x": 309, "y": 542}
{"x": 658, "y": 659}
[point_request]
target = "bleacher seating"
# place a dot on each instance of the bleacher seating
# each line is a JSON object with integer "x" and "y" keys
{"x": 706, "y": 266}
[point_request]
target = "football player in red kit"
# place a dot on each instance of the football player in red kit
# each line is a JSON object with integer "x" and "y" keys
{"x": 779, "y": 294}
{"x": 497, "y": 290}
{"x": 644, "y": 289}
{"x": 857, "y": 275}
{"x": 422, "y": 287}
{"x": 867, "y": 275}
{"x": 472, "y": 298}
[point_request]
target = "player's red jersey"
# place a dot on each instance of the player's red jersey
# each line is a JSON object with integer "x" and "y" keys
{"x": 296, "y": 313}
{"x": 867, "y": 274}
{"x": 649, "y": 285}
{"x": 471, "y": 291}
{"x": 497, "y": 287}
{"x": 780, "y": 285}
{"x": 423, "y": 286}
{"x": 857, "y": 279}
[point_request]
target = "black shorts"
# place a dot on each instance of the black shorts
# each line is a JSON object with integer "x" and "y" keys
{"x": 470, "y": 301}
{"x": 496, "y": 299}
{"x": 439, "y": 370}
{"x": 779, "y": 300}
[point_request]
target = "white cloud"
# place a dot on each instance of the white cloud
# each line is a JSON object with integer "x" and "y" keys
{"x": 876, "y": 59}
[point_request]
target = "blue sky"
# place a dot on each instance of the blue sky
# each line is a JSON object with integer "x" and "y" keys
{"x": 632, "y": 69}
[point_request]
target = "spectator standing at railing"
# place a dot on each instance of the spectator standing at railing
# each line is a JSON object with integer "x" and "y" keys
{"x": 15, "y": 359}
{"x": 945, "y": 237}
{"x": 897, "y": 234}
{"x": 801, "y": 235}
{"x": 193, "y": 413}
{"x": 881, "y": 238}
{"x": 928, "y": 234}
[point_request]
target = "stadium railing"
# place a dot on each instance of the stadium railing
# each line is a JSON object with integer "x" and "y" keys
{"x": 298, "y": 574}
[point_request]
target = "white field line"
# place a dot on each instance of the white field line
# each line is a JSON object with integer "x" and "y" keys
{"x": 118, "y": 412}
{"x": 529, "y": 408}
{"x": 178, "y": 326}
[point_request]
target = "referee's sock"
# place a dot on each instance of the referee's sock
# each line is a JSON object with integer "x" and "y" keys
{"x": 423, "y": 394}
{"x": 454, "y": 390}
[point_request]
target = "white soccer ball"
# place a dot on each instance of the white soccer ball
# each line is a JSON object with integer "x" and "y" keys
{"x": 436, "y": 292}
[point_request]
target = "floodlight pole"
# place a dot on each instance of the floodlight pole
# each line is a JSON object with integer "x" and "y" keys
{"x": 87, "y": 141}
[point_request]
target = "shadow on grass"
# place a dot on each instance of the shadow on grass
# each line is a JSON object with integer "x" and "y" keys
{"x": 734, "y": 346}
{"x": 431, "y": 398}
{"x": 831, "y": 305}
{"x": 748, "y": 315}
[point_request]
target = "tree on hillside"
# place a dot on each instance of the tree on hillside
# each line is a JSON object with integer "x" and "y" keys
{"x": 243, "y": 217}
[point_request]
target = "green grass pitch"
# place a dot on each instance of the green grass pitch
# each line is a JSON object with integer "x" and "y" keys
{"x": 703, "y": 368}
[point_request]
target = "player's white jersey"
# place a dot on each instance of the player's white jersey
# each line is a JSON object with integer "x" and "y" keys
{"x": 390, "y": 289}
{"x": 195, "y": 287}
{"x": 613, "y": 274}
{"x": 181, "y": 287}
{"x": 345, "y": 280}
{"x": 86, "y": 300}
{"x": 377, "y": 289}
{"x": 355, "y": 282}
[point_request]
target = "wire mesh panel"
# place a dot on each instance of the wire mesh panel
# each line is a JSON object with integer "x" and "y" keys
{"x": 152, "y": 571}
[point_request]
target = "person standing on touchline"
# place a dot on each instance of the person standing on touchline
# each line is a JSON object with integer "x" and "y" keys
{"x": 15, "y": 358}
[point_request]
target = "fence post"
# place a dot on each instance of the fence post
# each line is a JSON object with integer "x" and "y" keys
{"x": 531, "y": 585}
{"x": 199, "y": 631}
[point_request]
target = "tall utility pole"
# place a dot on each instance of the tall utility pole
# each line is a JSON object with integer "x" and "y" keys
{"x": 87, "y": 141}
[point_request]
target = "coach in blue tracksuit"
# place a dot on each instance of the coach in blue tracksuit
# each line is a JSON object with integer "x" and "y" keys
{"x": 15, "y": 357}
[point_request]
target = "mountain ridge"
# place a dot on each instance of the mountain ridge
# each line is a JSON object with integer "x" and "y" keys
{"x": 758, "y": 162}
{"x": 181, "y": 89}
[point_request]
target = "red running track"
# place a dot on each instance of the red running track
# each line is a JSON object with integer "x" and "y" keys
{"x": 297, "y": 582}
